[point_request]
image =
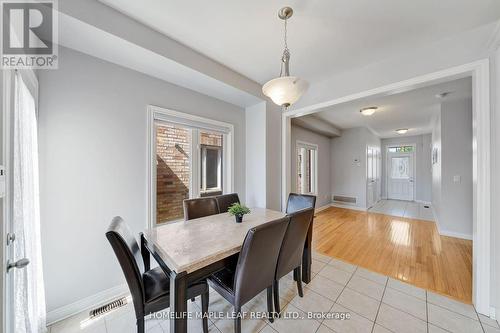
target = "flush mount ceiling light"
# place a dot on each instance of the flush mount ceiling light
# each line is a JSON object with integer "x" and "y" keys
{"x": 402, "y": 131}
{"x": 443, "y": 94}
{"x": 285, "y": 90}
{"x": 368, "y": 111}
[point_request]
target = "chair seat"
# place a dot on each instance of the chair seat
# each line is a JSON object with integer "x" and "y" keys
{"x": 223, "y": 283}
{"x": 157, "y": 289}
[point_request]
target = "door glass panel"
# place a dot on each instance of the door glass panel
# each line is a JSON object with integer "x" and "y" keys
{"x": 306, "y": 169}
{"x": 173, "y": 171}
{"x": 400, "y": 167}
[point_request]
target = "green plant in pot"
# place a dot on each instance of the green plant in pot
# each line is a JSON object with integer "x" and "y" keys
{"x": 238, "y": 211}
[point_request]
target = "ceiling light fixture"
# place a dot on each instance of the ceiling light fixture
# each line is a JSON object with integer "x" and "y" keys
{"x": 402, "y": 130}
{"x": 443, "y": 94}
{"x": 368, "y": 111}
{"x": 285, "y": 90}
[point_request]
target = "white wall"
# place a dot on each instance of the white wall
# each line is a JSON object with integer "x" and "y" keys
{"x": 92, "y": 128}
{"x": 349, "y": 177}
{"x": 255, "y": 121}
{"x": 324, "y": 162}
{"x": 423, "y": 173}
{"x": 454, "y": 204}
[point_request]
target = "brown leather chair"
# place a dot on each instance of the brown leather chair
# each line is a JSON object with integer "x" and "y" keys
{"x": 290, "y": 256}
{"x": 225, "y": 201}
{"x": 298, "y": 202}
{"x": 150, "y": 288}
{"x": 201, "y": 207}
{"x": 255, "y": 269}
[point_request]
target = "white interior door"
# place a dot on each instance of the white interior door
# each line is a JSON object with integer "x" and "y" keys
{"x": 372, "y": 176}
{"x": 400, "y": 182}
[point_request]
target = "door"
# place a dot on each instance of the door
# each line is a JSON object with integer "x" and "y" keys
{"x": 307, "y": 168}
{"x": 24, "y": 287}
{"x": 372, "y": 176}
{"x": 400, "y": 182}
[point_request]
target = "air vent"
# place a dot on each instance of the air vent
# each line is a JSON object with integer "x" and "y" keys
{"x": 108, "y": 307}
{"x": 344, "y": 199}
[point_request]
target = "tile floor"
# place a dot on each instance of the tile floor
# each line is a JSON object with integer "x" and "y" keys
{"x": 373, "y": 303}
{"x": 409, "y": 209}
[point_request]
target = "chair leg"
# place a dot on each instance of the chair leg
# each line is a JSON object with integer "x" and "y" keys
{"x": 276, "y": 292}
{"x": 140, "y": 325}
{"x": 204, "y": 310}
{"x": 299, "y": 281}
{"x": 294, "y": 275}
{"x": 270, "y": 312}
{"x": 237, "y": 320}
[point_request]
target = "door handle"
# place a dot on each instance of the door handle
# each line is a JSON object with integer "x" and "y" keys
{"x": 21, "y": 263}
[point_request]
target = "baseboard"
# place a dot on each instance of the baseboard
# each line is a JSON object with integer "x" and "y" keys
{"x": 424, "y": 202}
{"x": 87, "y": 303}
{"x": 454, "y": 234}
{"x": 319, "y": 209}
{"x": 363, "y": 209}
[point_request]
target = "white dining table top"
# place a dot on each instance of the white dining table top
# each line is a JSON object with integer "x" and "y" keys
{"x": 194, "y": 244}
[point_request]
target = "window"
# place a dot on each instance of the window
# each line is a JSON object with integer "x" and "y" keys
{"x": 191, "y": 158}
{"x": 307, "y": 159}
{"x": 401, "y": 149}
{"x": 211, "y": 163}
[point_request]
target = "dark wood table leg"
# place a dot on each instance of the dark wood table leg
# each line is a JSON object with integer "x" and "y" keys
{"x": 178, "y": 302}
{"x": 307, "y": 256}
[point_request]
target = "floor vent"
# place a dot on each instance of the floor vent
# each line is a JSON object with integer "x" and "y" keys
{"x": 426, "y": 206}
{"x": 344, "y": 200}
{"x": 108, "y": 307}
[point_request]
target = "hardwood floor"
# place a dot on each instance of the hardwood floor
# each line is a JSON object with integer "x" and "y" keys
{"x": 406, "y": 249}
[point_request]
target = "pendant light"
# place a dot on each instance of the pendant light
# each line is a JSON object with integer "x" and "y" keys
{"x": 285, "y": 90}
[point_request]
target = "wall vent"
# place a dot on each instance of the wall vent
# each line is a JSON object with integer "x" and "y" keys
{"x": 108, "y": 307}
{"x": 344, "y": 199}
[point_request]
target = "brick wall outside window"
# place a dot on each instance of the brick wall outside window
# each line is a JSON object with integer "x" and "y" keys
{"x": 173, "y": 170}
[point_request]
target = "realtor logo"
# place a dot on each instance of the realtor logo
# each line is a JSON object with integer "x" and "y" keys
{"x": 29, "y": 34}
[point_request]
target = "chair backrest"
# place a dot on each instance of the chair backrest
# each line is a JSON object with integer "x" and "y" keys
{"x": 129, "y": 256}
{"x": 201, "y": 207}
{"x": 298, "y": 202}
{"x": 257, "y": 260}
{"x": 290, "y": 255}
{"x": 226, "y": 200}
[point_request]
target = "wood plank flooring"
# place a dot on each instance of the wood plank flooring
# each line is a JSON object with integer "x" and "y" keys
{"x": 406, "y": 249}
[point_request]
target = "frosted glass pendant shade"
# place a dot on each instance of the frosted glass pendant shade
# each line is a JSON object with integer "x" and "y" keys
{"x": 285, "y": 90}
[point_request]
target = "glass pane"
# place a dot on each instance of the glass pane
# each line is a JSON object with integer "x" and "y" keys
{"x": 306, "y": 159}
{"x": 401, "y": 149}
{"x": 211, "y": 163}
{"x": 172, "y": 171}
{"x": 400, "y": 167}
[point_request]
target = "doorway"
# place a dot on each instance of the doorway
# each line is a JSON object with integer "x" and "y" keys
{"x": 401, "y": 173}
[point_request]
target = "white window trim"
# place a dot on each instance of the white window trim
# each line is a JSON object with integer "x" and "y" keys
{"x": 156, "y": 113}
{"x": 304, "y": 144}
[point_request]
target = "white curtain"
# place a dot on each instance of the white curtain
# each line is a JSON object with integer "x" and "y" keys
{"x": 29, "y": 294}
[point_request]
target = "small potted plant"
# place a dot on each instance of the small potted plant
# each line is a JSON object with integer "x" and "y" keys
{"x": 238, "y": 211}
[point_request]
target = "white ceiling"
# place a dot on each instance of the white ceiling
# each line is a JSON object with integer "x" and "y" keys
{"x": 412, "y": 109}
{"x": 325, "y": 37}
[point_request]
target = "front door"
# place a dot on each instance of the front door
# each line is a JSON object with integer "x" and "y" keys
{"x": 400, "y": 183}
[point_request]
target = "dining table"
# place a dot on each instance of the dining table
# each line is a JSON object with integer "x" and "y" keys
{"x": 189, "y": 251}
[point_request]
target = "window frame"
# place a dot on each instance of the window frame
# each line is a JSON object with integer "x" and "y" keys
{"x": 156, "y": 114}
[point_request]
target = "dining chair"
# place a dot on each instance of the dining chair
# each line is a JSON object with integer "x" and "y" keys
{"x": 225, "y": 201}
{"x": 298, "y": 202}
{"x": 292, "y": 247}
{"x": 150, "y": 288}
{"x": 200, "y": 207}
{"x": 254, "y": 270}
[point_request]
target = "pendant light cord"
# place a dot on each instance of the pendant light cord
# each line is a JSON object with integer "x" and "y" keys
{"x": 285, "y": 58}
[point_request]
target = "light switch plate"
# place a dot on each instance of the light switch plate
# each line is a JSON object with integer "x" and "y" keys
{"x": 457, "y": 179}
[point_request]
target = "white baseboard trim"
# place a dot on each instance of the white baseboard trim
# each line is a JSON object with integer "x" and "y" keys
{"x": 338, "y": 205}
{"x": 319, "y": 209}
{"x": 423, "y": 202}
{"x": 87, "y": 303}
{"x": 454, "y": 234}
{"x": 494, "y": 313}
